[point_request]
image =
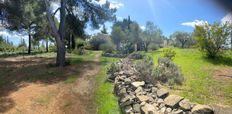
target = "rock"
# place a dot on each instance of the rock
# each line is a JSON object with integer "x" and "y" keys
{"x": 168, "y": 110}
{"x": 143, "y": 98}
{"x": 127, "y": 81}
{"x": 128, "y": 109}
{"x": 179, "y": 112}
{"x": 122, "y": 92}
{"x": 136, "y": 108}
{"x": 127, "y": 103}
{"x": 159, "y": 101}
{"x": 154, "y": 89}
{"x": 121, "y": 73}
{"x": 185, "y": 105}
{"x": 162, "y": 110}
{"x": 139, "y": 89}
{"x": 143, "y": 103}
{"x": 138, "y": 84}
{"x": 148, "y": 109}
{"x": 202, "y": 109}
{"x": 173, "y": 100}
{"x": 162, "y": 93}
{"x": 126, "y": 98}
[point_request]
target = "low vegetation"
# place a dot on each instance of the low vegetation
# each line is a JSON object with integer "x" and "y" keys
{"x": 106, "y": 102}
{"x": 201, "y": 84}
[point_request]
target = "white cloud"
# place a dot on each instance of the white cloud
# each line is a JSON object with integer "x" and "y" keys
{"x": 113, "y": 4}
{"x": 119, "y": 18}
{"x": 142, "y": 27}
{"x": 227, "y": 19}
{"x": 194, "y": 23}
{"x": 116, "y": 5}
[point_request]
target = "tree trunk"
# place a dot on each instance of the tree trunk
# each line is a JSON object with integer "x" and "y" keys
{"x": 58, "y": 34}
{"x": 69, "y": 41}
{"x": 46, "y": 45}
{"x": 29, "y": 42}
{"x": 136, "y": 47}
{"x": 73, "y": 41}
{"x": 118, "y": 46}
{"x": 231, "y": 41}
{"x": 182, "y": 45}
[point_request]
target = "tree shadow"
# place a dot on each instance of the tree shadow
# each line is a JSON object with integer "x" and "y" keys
{"x": 16, "y": 74}
{"x": 221, "y": 60}
{"x": 6, "y": 104}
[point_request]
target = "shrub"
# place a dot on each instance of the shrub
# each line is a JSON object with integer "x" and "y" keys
{"x": 114, "y": 67}
{"x": 107, "y": 47}
{"x": 98, "y": 40}
{"x": 136, "y": 55}
{"x": 145, "y": 69}
{"x": 169, "y": 53}
{"x": 153, "y": 47}
{"x": 168, "y": 72}
{"x": 212, "y": 38}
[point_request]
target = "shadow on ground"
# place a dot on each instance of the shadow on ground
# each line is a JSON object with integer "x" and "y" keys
{"x": 15, "y": 74}
{"x": 222, "y": 60}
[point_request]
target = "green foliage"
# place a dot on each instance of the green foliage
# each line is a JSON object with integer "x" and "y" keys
{"x": 107, "y": 47}
{"x": 168, "y": 53}
{"x": 183, "y": 39}
{"x": 168, "y": 72}
{"x": 114, "y": 67}
{"x": 200, "y": 84}
{"x": 145, "y": 69}
{"x": 98, "y": 40}
{"x": 117, "y": 36}
{"x": 109, "y": 106}
{"x": 151, "y": 34}
{"x": 6, "y": 46}
{"x": 212, "y": 38}
{"x": 153, "y": 47}
{"x": 136, "y": 55}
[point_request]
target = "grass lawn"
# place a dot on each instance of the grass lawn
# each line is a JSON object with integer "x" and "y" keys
{"x": 106, "y": 102}
{"x": 202, "y": 85}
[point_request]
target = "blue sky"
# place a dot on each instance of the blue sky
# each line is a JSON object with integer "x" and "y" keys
{"x": 169, "y": 15}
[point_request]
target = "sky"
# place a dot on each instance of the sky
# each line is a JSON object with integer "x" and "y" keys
{"x": 169, "y": 15}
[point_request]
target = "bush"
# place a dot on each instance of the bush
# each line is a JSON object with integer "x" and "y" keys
{"x": 153, "y": 47}
{"x": 145, "y": 70}
{"x": 107, "y": 47}
{"x": 168, "y": 53}
{"x": 136, "y": 55}
{"x": 212, "y": 38}
{"x": 114, "y": 67}
{"x": 98, "y": 40}
{"x": 168, "y": 72}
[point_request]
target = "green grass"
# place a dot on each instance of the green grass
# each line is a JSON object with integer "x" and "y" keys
{"x": 106, "y": 101}
{"x": 200, "y": 85}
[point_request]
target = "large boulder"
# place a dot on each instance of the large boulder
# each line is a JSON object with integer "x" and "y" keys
{"x": 138, "y": 84}
{"x": 202, "y": 109}
{"x": 162, "y": 93}
{"x": 173, "y": 100}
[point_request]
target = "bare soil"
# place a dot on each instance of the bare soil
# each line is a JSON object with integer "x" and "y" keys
{"x": 48, "y": 97}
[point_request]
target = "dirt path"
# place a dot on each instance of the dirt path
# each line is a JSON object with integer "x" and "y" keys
{"x": 57, "y": 98}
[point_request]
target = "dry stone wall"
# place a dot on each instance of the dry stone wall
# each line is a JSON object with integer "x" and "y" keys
{"x": 138, "y": 97}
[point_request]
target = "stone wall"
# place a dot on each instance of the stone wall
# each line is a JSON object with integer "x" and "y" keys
{"x": 136, "y": 96}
